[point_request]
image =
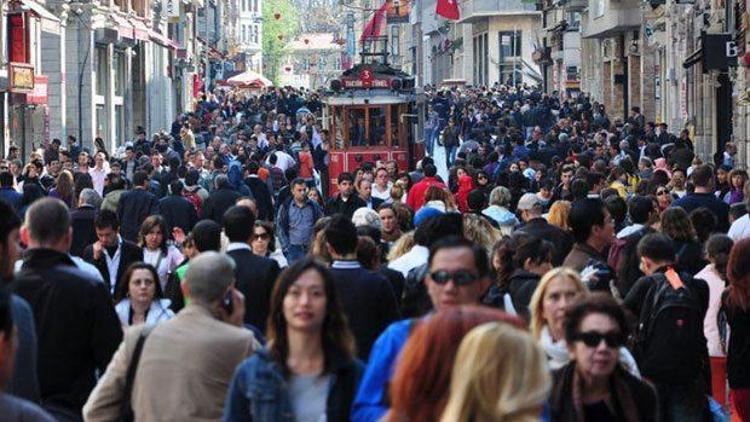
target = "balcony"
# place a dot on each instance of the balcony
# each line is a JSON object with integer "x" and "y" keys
{"x": 607, "y": 18}
{"x": 473, "y": 11}
{"x": 573, "y": 5}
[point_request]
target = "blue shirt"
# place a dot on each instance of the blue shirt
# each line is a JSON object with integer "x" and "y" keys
{"x": 301, "y": 224}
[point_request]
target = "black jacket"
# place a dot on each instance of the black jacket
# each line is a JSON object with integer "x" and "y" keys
{"x": 368, "y": 301}
{"x": 130, "y": 253}
{"x": 82, "y": 221}
{"x": 563, "y": 241}
{"x": 521, "y": 286}
{"x": 134, "y": 206}
{"x": 337, "y": 206}
{"x": 218, "y": 202}
{"x": 76, "y": 325}
{"x": 255, "y": 277}
{"x": 262, "y": 196}
{"x": 177, "y": 212}
{"x": 632, "y": 398}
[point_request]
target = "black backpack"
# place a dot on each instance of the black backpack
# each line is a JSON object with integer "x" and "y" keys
{"x": 670, "y": 343}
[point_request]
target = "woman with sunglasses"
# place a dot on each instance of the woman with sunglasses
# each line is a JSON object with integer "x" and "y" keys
{"x": 663, "y": 198}
{"x": 139, "y": 298}
{"x": 264, "y": 243}
{"x": 594, "y": 386}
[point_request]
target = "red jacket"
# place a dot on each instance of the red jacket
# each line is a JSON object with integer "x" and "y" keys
{"x": 415, "y": 199}
{"x": 465, "y": 185}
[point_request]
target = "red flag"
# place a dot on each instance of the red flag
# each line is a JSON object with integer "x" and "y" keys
{"x": 376, "y": 26}
{"x": 448, "y": 9}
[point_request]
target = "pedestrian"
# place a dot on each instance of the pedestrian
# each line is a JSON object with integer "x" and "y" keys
{"x": 135, "y": 205}
{"x": 111, "y": 254}
{"x": 703, "y": 196}
{"x": 740, "y": 228}
{"x": 164, "y": 257}
{"x": 479, "y": 392}
{"x": 139, "y": 298}
{"x": 264, "y": 243}
{"x": 255, "y": 275}
{"x": 82, "y": 220}
{"x": 451, "y": 142}
{"x": 69, "y": 308}
{"x": 593, "y": 386}
{"x": 593, "y": 229}
{"x": 346, "y": 201}
{"x": 296, "y": 218}
{"x": 310, "y": 361}
{"x": 220, "y": 200}
{"x": 193, "y": 355}
{"x": 735, "y": 306}
{"x": 177, "y": 211}
{"x": 421, "y": 381}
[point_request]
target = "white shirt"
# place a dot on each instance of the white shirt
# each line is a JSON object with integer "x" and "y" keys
{"x": 283, "y": 160}
{"x": 97, "y": 177}
{"x": 236, "y": 246}
{"x": 164, "y": 264}
{"x": 113, "y": 263}
{"x": 740, "y": 228}
{"x": 385, "y": 195}
{"x": 418, "y": 255}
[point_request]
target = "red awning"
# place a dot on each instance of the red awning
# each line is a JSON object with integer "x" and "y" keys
{"x": 140, "y": 30}
{"x": 123, "y": 27}
{"x": 163, "y": 40}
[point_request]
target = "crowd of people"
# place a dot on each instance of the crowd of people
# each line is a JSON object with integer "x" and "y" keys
{"x": 570, "y": 267}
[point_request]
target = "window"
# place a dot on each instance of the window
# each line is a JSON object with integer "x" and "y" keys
{"x": 255, "y": 6}
{"x": 598, "y": 6}
{"x": 337, "y": 63}
{"x": 480, "y": 49}
{"x": 510, "y": 64}
{"x": 101, "y": 71}
{"x": 119, "y": 65}
{"x": 255, "y": 33}
{"x": 244, "y": 33}
{"x": 395, "y": 41}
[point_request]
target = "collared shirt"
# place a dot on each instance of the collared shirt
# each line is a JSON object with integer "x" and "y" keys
{"x": 346, "y": 265}
{"x": 236, "y": 246}
{"x": 301, "y": 224}
{"x": 97, "y": 177}
{"x": 113, "y": 263}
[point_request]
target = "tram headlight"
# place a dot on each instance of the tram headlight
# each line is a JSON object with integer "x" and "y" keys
{"x": 336, "y": 85}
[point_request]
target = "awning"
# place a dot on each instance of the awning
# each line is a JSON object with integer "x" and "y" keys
{"x": 123, "y": 27}
{"x": 39, "y": 10}
{"x": 693, "y": 58}
{"x": 140, "y": 30}
{"x": 162, "y": 40}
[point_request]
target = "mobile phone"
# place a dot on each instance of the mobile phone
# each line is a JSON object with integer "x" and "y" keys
{"x": 228, "y": 303}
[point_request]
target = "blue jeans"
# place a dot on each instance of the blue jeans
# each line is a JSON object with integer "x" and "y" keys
{"x": 295, "y": 252}
{"x": 450, "y": 156}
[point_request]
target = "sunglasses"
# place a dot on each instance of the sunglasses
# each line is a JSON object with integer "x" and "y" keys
{"x": 459, "y": 277}
{"x": 261, "y": 236}
{"x": 614, "y": 339}
{"x": 661, "y": 193}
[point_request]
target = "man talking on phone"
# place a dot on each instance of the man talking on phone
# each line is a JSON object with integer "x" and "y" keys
{"x": 193, "y": 355}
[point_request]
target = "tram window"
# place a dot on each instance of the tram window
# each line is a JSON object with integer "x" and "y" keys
{"x": 377, "y": 132}
{"x": 357, "y": 130}
{"x": 395, "y": 142}
{"x": 338, "y": 122}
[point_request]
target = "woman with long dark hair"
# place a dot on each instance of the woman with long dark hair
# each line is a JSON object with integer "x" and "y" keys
{"x": 308, "y": 371}
{"x": 156, "y": 251}
{"x": 736, "y": 304}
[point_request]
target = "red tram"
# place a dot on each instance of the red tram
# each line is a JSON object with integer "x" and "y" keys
{"x": 374, "y": 115}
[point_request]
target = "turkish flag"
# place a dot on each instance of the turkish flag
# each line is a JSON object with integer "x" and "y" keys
{"x": 447, "y": 9}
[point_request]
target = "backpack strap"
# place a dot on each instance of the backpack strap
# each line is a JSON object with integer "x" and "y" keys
{"x": 126, "y": 410}
{"x": 673, "y": 278}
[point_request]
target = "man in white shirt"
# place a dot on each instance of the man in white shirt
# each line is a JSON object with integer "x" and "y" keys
{"x": 99, "y": 173}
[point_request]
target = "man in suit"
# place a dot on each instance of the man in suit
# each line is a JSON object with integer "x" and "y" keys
{"x": 82, "y": 220}
{"x": 111, "y": 254}
{"x": 135, "y": 205}
{"x": 260, "y": 192}
{"x": 193, "y": 355}
{"x": 364, "y": 188}
{"x": 76, "y": 325}
{"x": 176, "y": 210}
{"x": 367, "y": 297}
{"x": 220, "y": 200}
{"x": 255, "y": 274}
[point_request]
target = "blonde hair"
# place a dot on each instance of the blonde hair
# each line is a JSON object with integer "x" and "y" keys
{"x": 536, "y": 304}
{"x": 558, "y": 215}
{"x": 480, "y": 231}
{"x": 402, "y": 246}
{"x": 500, "y": 374}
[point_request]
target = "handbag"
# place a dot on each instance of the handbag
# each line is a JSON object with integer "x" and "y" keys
{"x": 126, "y": 408}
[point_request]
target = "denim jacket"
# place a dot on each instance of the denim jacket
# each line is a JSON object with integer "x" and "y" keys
{"x": 259, "y": 391}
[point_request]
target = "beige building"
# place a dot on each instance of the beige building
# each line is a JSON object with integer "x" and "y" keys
{"x": 312, "y": 60}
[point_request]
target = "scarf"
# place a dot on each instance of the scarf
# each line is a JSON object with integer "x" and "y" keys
{"x": 620, "y": 398}
{"x": 557, "y": 351}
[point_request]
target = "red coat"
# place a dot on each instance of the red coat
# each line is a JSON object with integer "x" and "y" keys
{"x": 465, "y": 185}
{"x": 415, "y": 199}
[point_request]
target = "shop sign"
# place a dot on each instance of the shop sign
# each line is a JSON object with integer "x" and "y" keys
{"x": 21, "y": 77}
{"x": 39, "y": 94}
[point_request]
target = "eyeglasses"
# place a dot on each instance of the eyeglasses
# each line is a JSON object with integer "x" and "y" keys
{"x": 661, "y": 193}
{"x": 459, "y": 277}
{"x": 261, "y": 236}
{"x": 614, "y": 339}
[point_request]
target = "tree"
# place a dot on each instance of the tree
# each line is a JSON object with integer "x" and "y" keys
{"x": 280, "y": 25}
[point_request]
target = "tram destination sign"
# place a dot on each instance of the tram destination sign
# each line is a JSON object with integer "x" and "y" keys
{"x": 365, "y": 79}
